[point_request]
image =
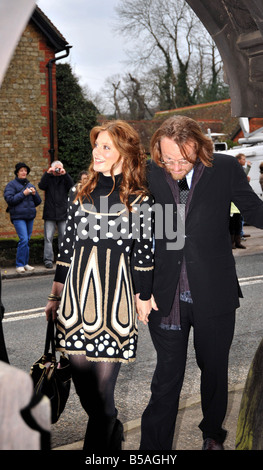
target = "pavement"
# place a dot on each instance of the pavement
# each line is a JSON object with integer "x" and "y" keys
{"x": 187, "y": 435}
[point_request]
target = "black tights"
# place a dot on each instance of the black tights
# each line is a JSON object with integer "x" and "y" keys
{"x": 95, "y": 384}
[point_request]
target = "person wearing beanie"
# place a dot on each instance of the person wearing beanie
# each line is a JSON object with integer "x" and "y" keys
{"x": 22, "y": 199}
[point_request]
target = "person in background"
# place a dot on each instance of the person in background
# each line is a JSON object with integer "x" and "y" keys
{"x": 195, "y": 282}
{"x": 246, "y": 165}
{"x": 105, "y": 258}
{"x": 3, "y": 351}
{"x": 82, "y": 180}
{"x": 22, "y": 199}
{"x": 261, "y": 175}
{"x": 56, "y": 183}
{"x": 241, "y": 158}
{"x": 83, "y": 177}
{"x": 235, "y": 227}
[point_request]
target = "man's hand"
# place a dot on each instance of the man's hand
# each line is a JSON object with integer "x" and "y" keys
{"x": 143, "y": 308}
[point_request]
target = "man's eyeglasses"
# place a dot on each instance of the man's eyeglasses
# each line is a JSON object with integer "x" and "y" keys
{"x": 171, "y": 162}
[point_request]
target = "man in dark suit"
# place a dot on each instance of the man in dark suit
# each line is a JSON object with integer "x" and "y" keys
{"x": 195, "y": 282}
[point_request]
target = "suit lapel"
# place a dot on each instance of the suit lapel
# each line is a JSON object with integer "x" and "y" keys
{"x": 200, "y": 187}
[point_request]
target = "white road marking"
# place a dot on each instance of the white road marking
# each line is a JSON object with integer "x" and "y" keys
{"x": 248, "y": 281}
{"x": 23, "y": 317}
{"x": 31, "y": 310}
{"x": 24, "y": 314}
{"x": 40, "y": 311}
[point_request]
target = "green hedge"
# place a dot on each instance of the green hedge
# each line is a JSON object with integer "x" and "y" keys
{"x": 8, "y": 248}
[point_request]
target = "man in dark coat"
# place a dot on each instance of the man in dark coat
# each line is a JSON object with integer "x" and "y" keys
{"x": 195, "y": 282}
{"x": 56, "y": 183}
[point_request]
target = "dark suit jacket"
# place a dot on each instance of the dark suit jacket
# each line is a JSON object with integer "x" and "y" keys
{"x": 207, "y": 249}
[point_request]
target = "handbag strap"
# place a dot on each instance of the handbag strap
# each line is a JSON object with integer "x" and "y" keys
{"x": 50, "y": 340}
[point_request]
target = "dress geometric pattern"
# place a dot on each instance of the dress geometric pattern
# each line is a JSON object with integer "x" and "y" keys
{"x": 101, "y": 251}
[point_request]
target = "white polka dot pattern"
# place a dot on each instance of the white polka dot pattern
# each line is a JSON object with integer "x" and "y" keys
{"x": 102, "y": 252}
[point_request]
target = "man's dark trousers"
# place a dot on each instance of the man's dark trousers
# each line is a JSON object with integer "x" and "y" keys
{"x": 212, "y": 340}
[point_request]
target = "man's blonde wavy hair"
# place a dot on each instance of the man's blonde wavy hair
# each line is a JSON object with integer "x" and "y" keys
{"x": 183, "y": 130}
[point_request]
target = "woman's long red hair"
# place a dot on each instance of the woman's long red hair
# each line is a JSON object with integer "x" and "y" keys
{"x": 127, "y": 142}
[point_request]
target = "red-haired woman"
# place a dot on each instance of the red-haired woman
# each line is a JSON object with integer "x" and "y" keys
{"x": 105, "y": 258}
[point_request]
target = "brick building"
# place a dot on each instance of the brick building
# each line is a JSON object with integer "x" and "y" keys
{"x": 28, "y": 109}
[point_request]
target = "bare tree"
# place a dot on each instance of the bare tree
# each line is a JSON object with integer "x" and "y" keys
{"x": 116, "y": 102}
{"x": 136, "y": 98}
{"x": 173, "y": 61}
{"x": 112, "y": 94}
{"x": 206, "y": 75}
{"x": 165, "y": 29}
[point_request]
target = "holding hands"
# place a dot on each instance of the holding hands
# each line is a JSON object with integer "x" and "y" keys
{"x": 144, "y": 308}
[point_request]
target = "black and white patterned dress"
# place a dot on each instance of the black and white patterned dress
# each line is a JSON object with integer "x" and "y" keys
{"x": 106, "y": 256}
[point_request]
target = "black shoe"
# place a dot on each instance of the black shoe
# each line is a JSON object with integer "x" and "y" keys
{"x": 211, "y": 444}
{"x": 238, "y": 243}
{"x": 103, "y": 434}
{"x": 49, "y": 265}
{"x": 241, "y": 246}
{"x": 117, "y": 436}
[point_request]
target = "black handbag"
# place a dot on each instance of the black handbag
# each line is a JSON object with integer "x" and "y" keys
{"x": 52, "y": 378}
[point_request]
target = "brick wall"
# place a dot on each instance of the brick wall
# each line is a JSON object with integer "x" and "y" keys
{"x": 24, "y": 118}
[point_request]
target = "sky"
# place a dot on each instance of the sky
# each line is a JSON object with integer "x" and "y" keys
{"x": 87, "y": 25}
